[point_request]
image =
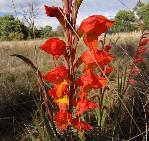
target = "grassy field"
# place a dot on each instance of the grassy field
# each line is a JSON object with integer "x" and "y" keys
{"x": 18, "y": 83}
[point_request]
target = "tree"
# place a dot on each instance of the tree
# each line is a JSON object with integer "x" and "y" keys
{"x": 59, "y": 31}
{"x": 124, "y": 22}
{"x": 138, "y": 5}
{"x": 30, "y": 13}
{"x": 46, "y": 31}
{"x": 12, "y": 29}
{"x": 143, "y": 13}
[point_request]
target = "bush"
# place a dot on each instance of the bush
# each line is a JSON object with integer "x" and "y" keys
{"x": 124, "y": 22}
{"x": 12, "y": 29}
{"x": 143, "y": 13}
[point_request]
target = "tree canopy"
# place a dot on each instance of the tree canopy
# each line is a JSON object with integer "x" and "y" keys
{"x": 124, "y": 22}
{"x": 12, "y": 29}
{"x": 143, "y": 13}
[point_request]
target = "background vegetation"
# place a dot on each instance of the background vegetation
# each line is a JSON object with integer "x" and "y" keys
{"x": 19, "y": 117}
{"x": 12, "y": 28}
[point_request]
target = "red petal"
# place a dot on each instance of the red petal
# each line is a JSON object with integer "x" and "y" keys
{"x": 54, "y": 46}
{"x": 57, "y": 75}
{"x": 58, "y": 90}
{"x": 91, "y": 42}
{"x": 80, "y": 125}
{"x": 89, "y": 80}
{"x": 95, "y": 25}
{"x": 62, "y": 119}
{"x": 141, "y": 50}
{"x": 108, "y": 70}
{"x": 107, "y": 48}
{"x": 138, "y": 59}
{"x": 101, "y": 57}
{"x": 84, "y": 105}
{"x": 144, "y": 42}
{"x": 134, "y": 70}
{"x": 55, "y": 12}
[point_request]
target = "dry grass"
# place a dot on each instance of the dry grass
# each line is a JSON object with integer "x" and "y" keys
{"x": 17, "y": 79}
{"x": 16, "y": 72}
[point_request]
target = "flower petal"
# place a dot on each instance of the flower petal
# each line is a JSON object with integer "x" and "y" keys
{"x": 84, "y": 105}
{"x": 59, "y": 90}
{"x": 62, "y": 119}
{"x": 80, "y": 125}
{"x": 91, "y": 42}
{"x": 96, "y": 25}
{"x": 57, "y": 75}
{"x": 55, "y": 12}
{"x": 54, "y": 46}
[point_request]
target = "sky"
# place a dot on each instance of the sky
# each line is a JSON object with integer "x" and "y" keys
{"x": 108, "y": 8}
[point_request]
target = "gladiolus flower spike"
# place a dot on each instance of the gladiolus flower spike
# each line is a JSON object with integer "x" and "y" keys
{"x": 68, "y": 94}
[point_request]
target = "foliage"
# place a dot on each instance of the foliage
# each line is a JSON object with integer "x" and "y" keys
{"x": 138, "y": 6}
{"x": 143, "y": 13}
{"x": 46, "y": 31}
{"x": 125, "y": 22}
{"x": 12, "y": 29}
{"x": 60, "y": 31}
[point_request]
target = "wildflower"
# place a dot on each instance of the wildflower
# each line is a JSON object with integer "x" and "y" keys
{"x": 92, "y": 27}
{"x": 57, "y": 75}
{"x": 55, "y": 12}
{"x": 107, "y": 48}
{"x": 83, "y": 105}
{"x": 144, "y": 42}
{"x": 54, "y": 46}
{"x": 134, "y": 70}
{"x": 62, "y": 119}
{"x": 101, "y": 57}
{"x": 138, "y": 59}
{"x": 108, "y": 70}
{"x": 58, "y": 90}
{"x": 80, "y": 125}
{"x": 89, "y": 80}
{"x": 141, "y": 50}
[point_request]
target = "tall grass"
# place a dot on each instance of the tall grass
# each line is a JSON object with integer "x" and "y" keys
{"x": 18, "y": 86}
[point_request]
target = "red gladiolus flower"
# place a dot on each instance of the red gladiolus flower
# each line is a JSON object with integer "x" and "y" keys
{"x": 94, "y": 26}
{"x": 83, "y": 105}
{"x": 54, "y": 46}
{"x": 57, "y": 75}
{"x": 80, "y": 125}
{"x": 134, "y": 70}
{"x": 107, "y": 48}
{"x": 55, "y": 12}
{"x": 144, "y": 42}
{"x": 141, "y": 50}
{"x": 101, "y": 57}
{"x": 92, "y": 43}
{"x": 58, "y": 90}
{"x": 62, "y": 120}
{"x": 108, "y": 70}
{"x": 138, "y": 59}
{"x": 89, "y": 80}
